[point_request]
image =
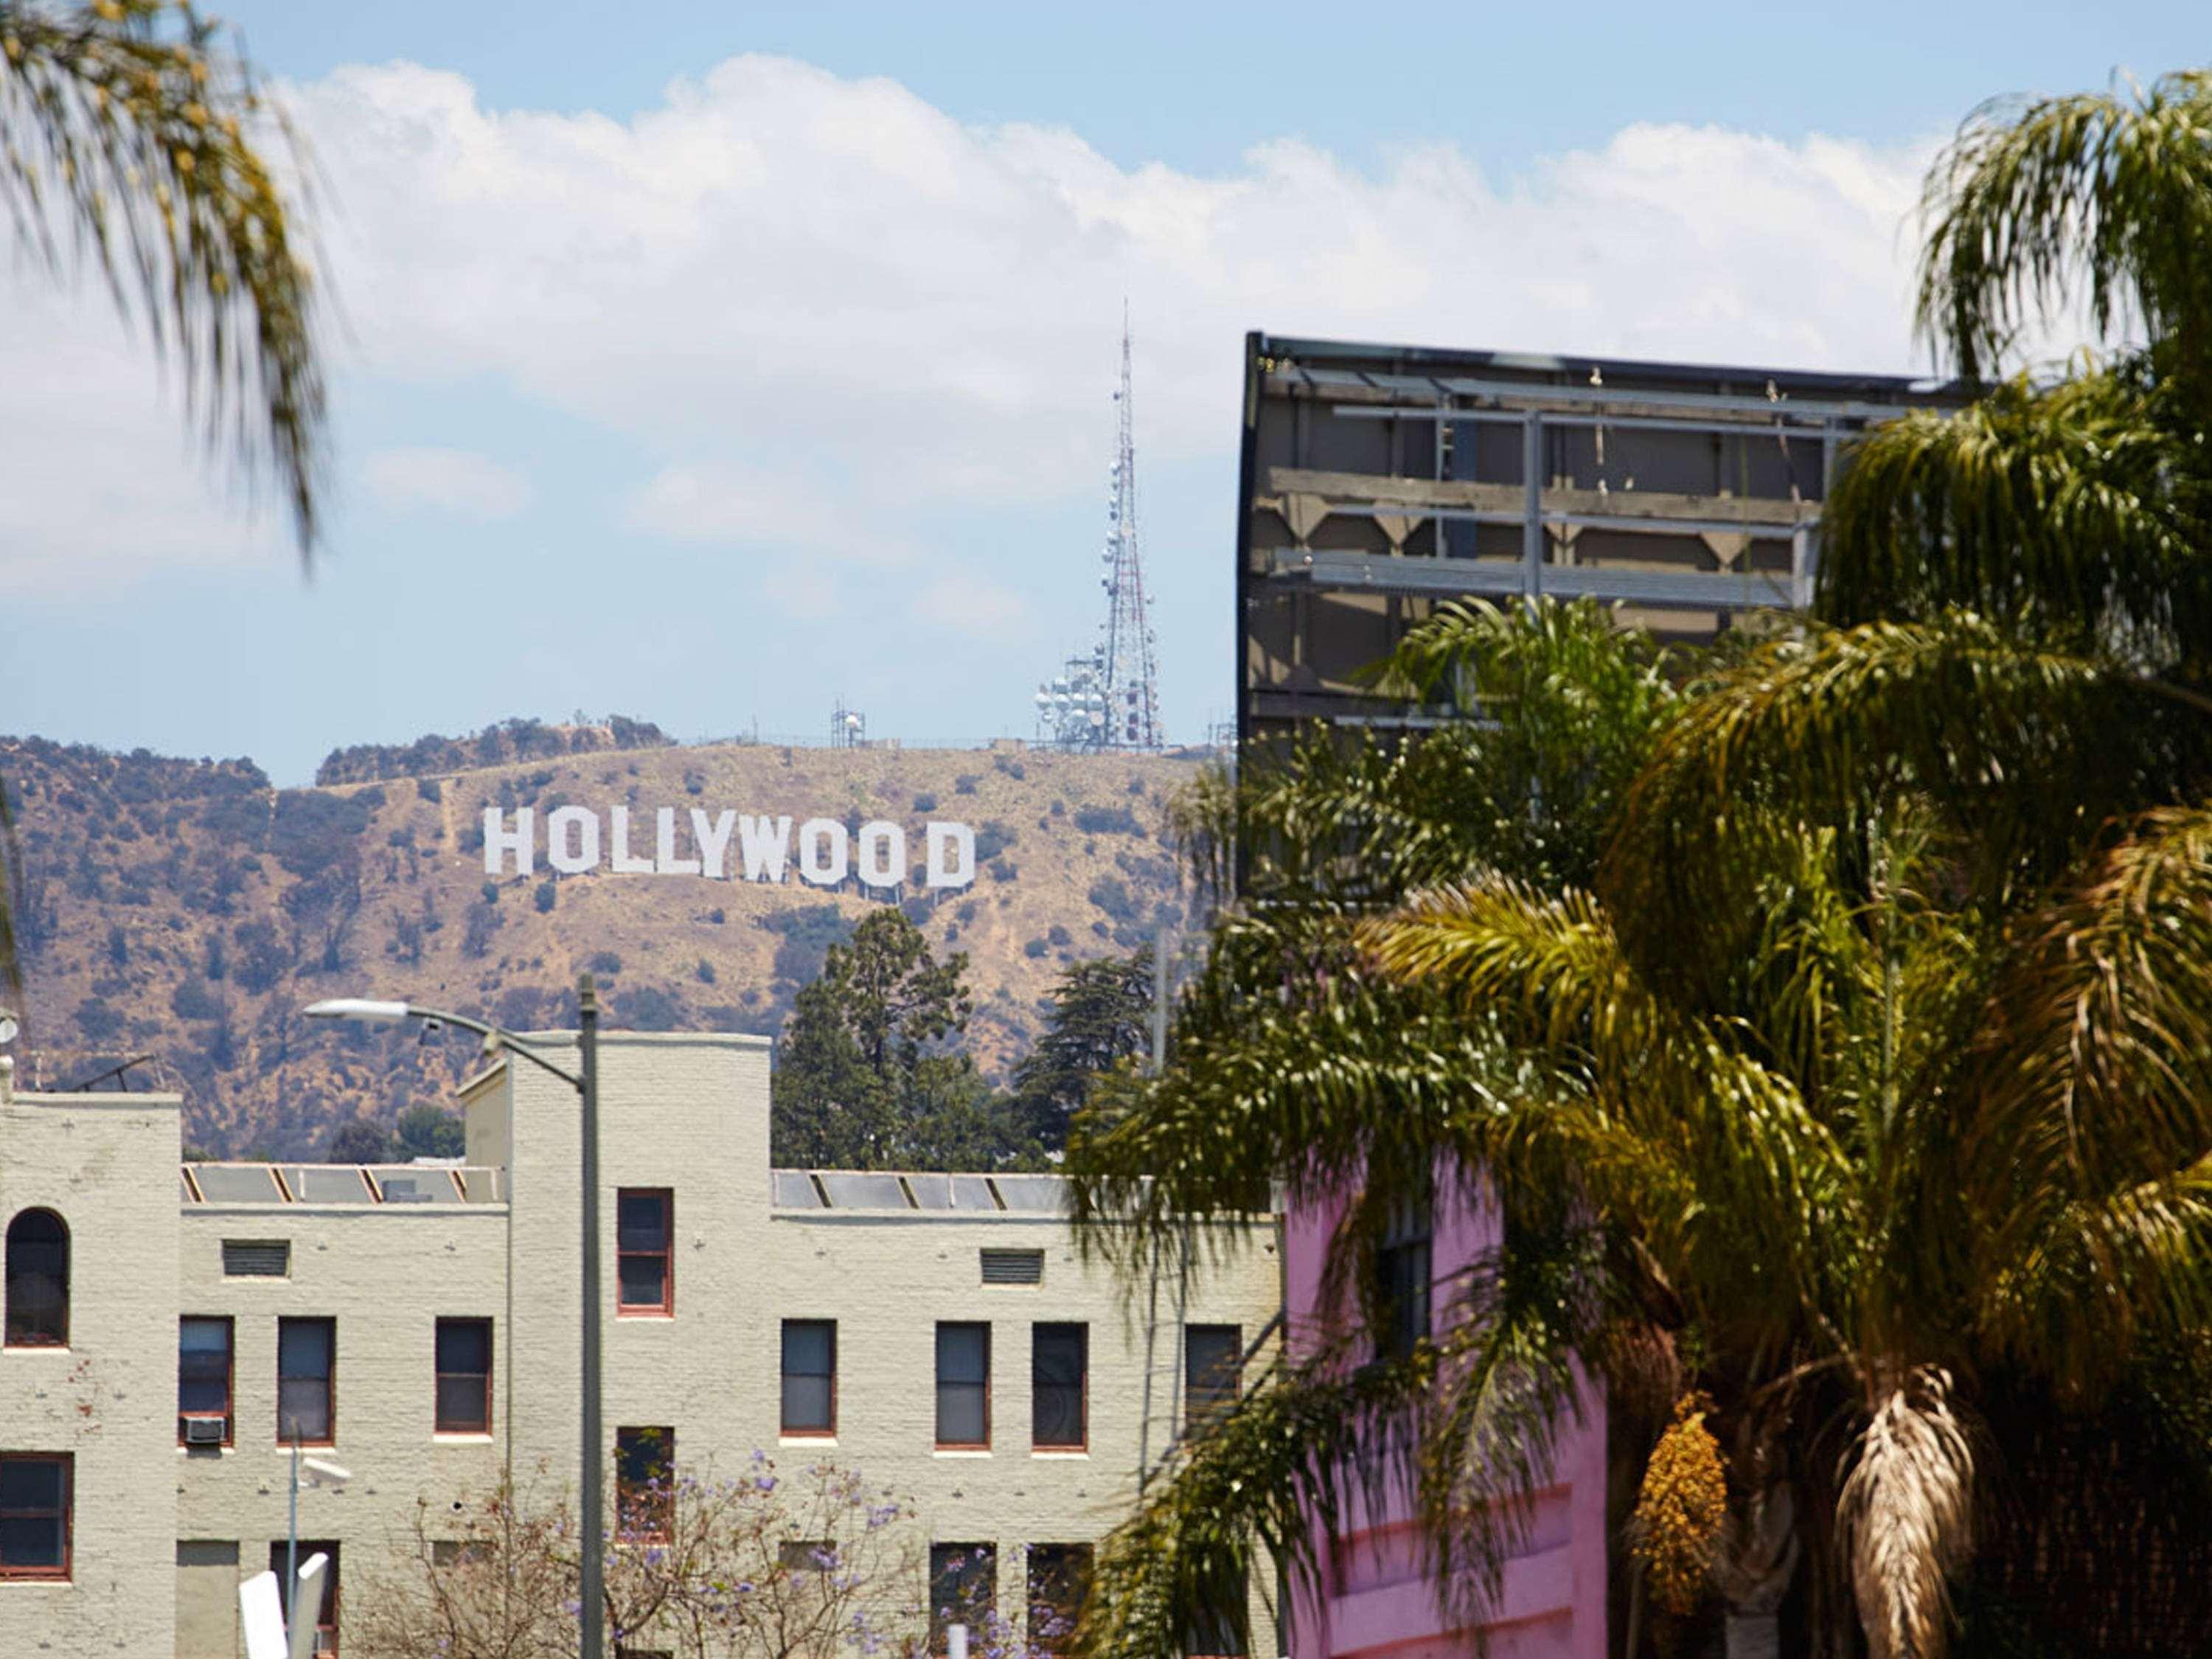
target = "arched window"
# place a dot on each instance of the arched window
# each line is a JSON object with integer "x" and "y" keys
{"x": 38, "y": 1280}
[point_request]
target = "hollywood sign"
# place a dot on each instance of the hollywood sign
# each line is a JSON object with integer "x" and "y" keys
{"x": 701, "y": 845}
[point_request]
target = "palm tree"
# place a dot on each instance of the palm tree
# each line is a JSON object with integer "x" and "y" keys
{"x": 135, "y": 145}
{"x": 1869, "y": 1074}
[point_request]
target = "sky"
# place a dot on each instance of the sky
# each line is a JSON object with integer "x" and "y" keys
{"x": 721, "y": 362}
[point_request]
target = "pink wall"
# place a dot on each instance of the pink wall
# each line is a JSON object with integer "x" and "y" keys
{"x": 1376, "y": 1600}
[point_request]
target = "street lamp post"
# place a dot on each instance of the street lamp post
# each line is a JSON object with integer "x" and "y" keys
{"x": 585, "y": 1080}
{"x": 318, "y": 1470}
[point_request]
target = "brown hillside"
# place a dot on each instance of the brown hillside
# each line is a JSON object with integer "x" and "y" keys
{"x": 187, "y": 911}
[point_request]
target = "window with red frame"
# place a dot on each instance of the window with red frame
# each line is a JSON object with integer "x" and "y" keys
{"x": 1060, "y": 1378}
{"x": 38, "y": 1280}
{"x": 306, "y": 1382}
{"x": 35, "y": 1496}
{"x": 326, "y": 1615}
{"x": 645, "y": 1266}
{"x": 463, "y": 1377}
{"x": 203, "y": 1374}
{"x": 645, "y": 1482}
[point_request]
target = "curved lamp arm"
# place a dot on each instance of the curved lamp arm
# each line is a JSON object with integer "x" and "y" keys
{"x": 362, "y": 1010}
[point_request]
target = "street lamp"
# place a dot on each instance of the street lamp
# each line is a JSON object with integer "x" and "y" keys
{"x": 303, "y": 1614}
{"x": 585, "y": 1080}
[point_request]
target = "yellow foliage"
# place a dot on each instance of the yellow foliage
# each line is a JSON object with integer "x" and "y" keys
{"x": 1680, "y": 1508}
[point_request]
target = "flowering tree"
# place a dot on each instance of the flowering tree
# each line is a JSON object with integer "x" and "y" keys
{"x": 818, "y": 1564}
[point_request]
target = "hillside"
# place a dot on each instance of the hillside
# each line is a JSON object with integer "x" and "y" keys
{"x": 187, "y": 911}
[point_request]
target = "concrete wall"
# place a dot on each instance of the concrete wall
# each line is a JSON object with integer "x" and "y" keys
{"x": 1376, "y": 1596}
{"x": 107, "y": 1166}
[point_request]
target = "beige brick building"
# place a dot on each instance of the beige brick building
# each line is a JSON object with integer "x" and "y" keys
{"x": 419, "y": 1325}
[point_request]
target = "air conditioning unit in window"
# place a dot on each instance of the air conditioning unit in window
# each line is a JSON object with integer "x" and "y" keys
{"x": 203, "y": 1430}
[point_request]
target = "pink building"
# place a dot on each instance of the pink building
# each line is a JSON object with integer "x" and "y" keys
{"x": 1377, "y": 1599}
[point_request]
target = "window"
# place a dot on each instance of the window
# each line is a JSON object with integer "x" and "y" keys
{"x": 1059, "y": 1582}
{"x": 1212, "y": 1357}
{"x": 645, "y": 1275}
{"x": 963, "y": 1587}
{"x": 38, "y": 1280}
{"x": 204, "y": 1378}
{"x": 307, "y": 1367}
{"x": 645, "y": 1492}
{"x": 326, "y": 1616}
{"x": 34, "y": 1514}
{"x": 1402, "y": 1286}
{"x": 1060, "y": 1373}
{"x": 463, "y": 1377}
{"x": 964, "y": 1385}
{"x": 810, "y": 1377}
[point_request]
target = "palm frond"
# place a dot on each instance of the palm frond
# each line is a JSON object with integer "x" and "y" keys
{"x": 2026, "y": 749}
{"x": 2079, "y": 509}
{"x": 2085, "y": 1152}
{"x": 132, "y": 141}
{"x": 1906, "y": 1513}
{"x": 1710, "y": 1157}
{"x": 2104, "y": 198}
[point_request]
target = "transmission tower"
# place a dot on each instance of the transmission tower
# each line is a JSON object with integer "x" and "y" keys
{"x": 1110, "y": 700}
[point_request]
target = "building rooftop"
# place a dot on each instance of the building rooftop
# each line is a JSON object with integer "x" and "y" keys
{"x": 338, "y": 1183}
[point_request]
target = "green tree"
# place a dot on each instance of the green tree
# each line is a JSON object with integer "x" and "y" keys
{"x": 1863, "y": 1083}
{"x": 1101, "y": 1016}
{"x": 427, "y": 1130}
{"x": 360, "y": 1142}
{"x": 133, "y": 144}
{"x": 864, "y": 1058}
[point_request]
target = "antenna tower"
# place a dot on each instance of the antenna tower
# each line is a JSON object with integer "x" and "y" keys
{"x": 1110, "y": 700}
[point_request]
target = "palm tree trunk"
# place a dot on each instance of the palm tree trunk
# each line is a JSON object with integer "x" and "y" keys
{"x": 1758, "y": 1562}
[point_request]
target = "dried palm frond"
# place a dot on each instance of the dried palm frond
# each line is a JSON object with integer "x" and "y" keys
{"x": 1906, "y": 1513}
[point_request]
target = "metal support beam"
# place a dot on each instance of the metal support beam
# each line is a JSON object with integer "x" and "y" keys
{"x": 1687, "y": 590}
{"x": 1532, "y": 495}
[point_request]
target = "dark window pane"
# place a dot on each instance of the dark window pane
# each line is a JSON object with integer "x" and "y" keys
{"x": 807, "y": 1346}
{"x": 963, "y": 1587}
{"x": 644, "y": 1280}
{"x": 964, "y": 1353}
{"x": 808, "y": 1406}
{"x": 1059, "y": 1581}
{"x": 204, "y": 1367}
{"x": 28, "y": 1540}
{"x": 962, "y": 1417}
{"x": 641, "y": 1221}
{"x": 464, "y": 1345}
{"x": 463, "y": 1406}
{"x": 644, "y": 1465}
{"x": 810, "y": 1376}
{"x": 643, "y": 1455}
{"x": 964, "y": 1385}
{"x": 303, "y": 1348}
{"x": 1058, "y": 1359}
{"x": 37, "y": 1279}
{"x": 30, "y": 1483}
{"x": 1210, "y": 1357}
{"x": 303, "y": 1409}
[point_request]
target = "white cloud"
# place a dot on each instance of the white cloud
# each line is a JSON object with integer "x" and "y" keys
{"x": 889, "y": 318}
{"x": 455, "y": 481}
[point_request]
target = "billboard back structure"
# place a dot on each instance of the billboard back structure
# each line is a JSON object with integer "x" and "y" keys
{"x": 1377, "y": 482}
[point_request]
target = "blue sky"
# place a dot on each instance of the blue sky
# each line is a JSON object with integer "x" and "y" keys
{"x": 716, "y": 364}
